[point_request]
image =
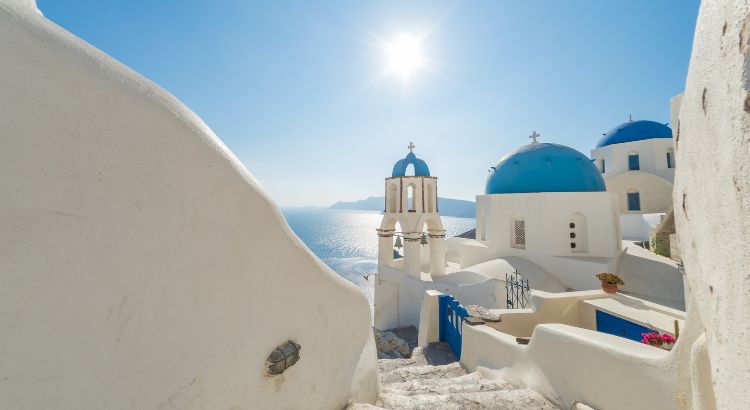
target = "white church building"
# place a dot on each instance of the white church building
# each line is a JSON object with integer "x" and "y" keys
{"x": 637, "y": 161}
{"x": 547, "y": 213}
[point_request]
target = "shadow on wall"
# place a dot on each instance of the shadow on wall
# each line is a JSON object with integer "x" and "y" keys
{"x": 651, "y": 277}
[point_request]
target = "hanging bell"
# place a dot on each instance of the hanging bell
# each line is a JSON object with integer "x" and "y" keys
{"x": 424, "y": 239}
{"x": 398, "y": 243}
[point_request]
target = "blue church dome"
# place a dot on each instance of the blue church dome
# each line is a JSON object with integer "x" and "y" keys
{"x": 635, "y": 131}
{"x": 544, "y": 167}
{"x": 420, "y": 167}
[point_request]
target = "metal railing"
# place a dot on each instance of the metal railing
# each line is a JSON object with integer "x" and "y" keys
{"x": 517, "y": 290}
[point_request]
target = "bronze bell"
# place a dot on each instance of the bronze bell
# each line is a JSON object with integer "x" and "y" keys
{"x": 398, "y": 243}
{"x": 423, "y": 241}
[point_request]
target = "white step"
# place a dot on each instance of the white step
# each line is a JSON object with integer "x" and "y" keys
{"x": 497, "y": 399}
{"x": 462, "y": 384}
{"x": 403, "y": 374}
{"x": 417, "y": 359}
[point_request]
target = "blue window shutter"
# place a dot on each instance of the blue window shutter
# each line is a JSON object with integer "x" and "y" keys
{"x": 669, "y": 160}
{"x": 634, "y": 201}
{"x": 634, "y": 163}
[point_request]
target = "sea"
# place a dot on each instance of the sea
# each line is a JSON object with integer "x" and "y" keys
{"x": 346, "y": 241}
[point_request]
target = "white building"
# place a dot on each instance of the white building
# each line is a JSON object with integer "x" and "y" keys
{"x": 545, "y": 213}
{"x": 637, "y": 161}
{"x": 547, "y": 203}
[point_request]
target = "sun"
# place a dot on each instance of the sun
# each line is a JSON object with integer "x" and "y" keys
{"x": 404, "y": 55}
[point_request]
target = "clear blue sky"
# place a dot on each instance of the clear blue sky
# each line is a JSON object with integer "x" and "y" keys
{"x": 296, "y": 89}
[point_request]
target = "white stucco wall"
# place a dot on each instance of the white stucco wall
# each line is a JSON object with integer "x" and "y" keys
{"x": 655, "y": 191}
{"x": 652, "y": 157}
{"x": 566, "y": 363}
{"x": 142, "y": 265}
{"x": 547, "y": 216}
{"x": 633, "y": 227}
{"x": 398, "y": 295}
{"x": 712, "y": 204}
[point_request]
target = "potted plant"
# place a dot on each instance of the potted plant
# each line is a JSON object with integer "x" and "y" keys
{"x": 609, "y": 282}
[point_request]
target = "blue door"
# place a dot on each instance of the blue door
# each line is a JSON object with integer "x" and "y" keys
{"x": 451, "y": 317}
{"x": 614, "y": 325}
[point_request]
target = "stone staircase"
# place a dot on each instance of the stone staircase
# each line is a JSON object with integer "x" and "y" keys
{"x": 432, "y": 379}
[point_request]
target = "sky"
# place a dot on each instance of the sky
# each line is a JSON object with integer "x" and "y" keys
{"x": 302, "y": 93}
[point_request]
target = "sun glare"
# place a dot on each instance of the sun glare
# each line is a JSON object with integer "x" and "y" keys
{"x": 404, "y": 55}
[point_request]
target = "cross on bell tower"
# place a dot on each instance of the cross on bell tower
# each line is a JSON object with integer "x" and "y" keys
{"x": 411, "y": 146}
{"x": 534, "y": 136}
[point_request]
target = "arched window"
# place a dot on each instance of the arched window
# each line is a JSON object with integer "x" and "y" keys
{"x": 670, "y": 158}
{"x": 409, "y": 172}
{"x": 431, "y": 198}
{"x": 392, "y": 198}
{"x": 634, "y": 161}
{"x": 634, "y": 200}
{"x": 602, "y": 166}
{"x": 578, "y": 233}
{"x": 410, "y": 199}
{"x": 518, "y": 232}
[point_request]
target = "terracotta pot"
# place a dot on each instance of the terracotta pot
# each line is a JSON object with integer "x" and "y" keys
{"x": 609, "y": 287}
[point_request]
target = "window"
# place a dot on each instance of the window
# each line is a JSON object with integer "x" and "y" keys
{"x": 604, "y": 168}
{"x": 409, "y": 171}
{"x": 634, "y": 201}
{"x": 410, "y": 200}
{"x": 519, "y": 233}
{"x": 670, "y": 158}
{"x": 634, "y": 163}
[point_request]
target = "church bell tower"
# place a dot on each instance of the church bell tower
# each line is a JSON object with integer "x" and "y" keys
{"x": 411, "y": 200}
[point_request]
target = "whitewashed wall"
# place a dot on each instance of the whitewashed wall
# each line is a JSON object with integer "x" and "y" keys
{"x": 547, "y": 217}
{"x": 655, "y": 192}
{"x": 398, "y": 295}
{"x": 652, "y": 155}
{"x": 712, "y": 205}
{"x": 141, "y": 265}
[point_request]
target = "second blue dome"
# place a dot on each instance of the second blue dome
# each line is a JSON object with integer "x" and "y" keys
{"x": 635, "y": 131}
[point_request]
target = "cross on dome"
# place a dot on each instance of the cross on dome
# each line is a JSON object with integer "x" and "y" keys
{"x": 411, "y": 146}
{"x": 534, "y": 136}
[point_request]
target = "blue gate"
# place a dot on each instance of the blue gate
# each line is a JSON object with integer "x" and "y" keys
{"x": 451, "y": 317}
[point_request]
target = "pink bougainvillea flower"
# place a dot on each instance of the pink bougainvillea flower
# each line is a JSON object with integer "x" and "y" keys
{"x": 667, "y": 338}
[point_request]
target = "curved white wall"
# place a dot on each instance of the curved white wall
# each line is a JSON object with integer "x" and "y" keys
{"x": 652, "y": 155}
{"x": 142, "y": 265}
{"x": 712, "y": 204}
{"x": 655, "y": 192}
